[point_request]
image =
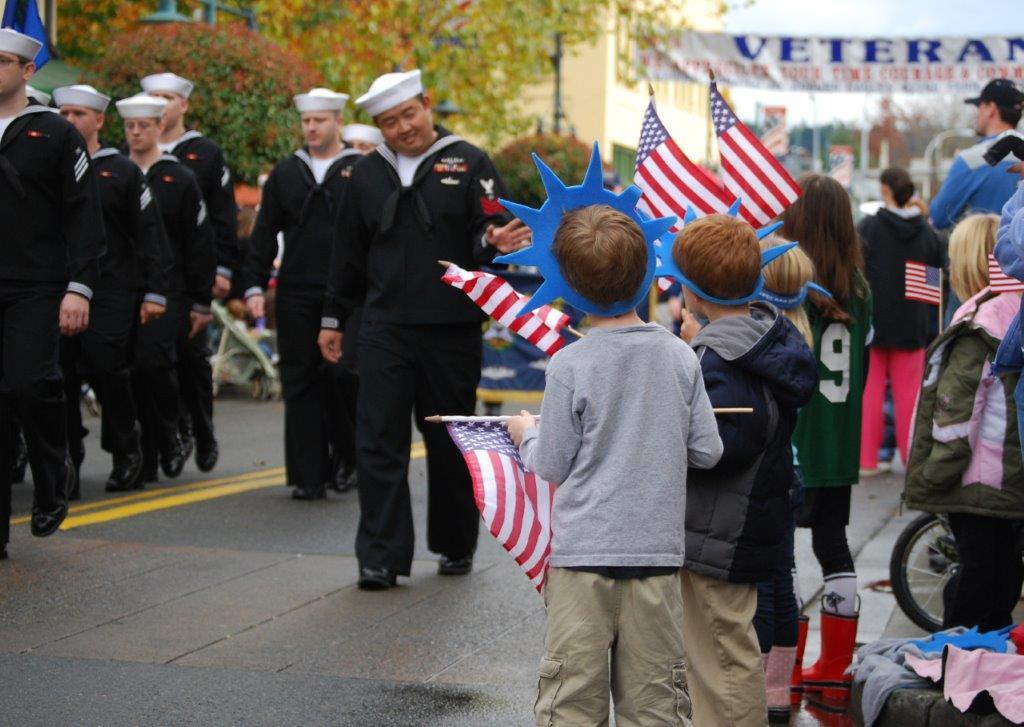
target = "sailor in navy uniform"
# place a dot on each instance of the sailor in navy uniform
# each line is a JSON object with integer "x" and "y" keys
{"x": 132, "y": 288}
{"x": 206, "y": 160}
{"x": 190, "y": 281}
{"x": 300, "y": 200}
{"x": 423, "y": 195}
{"x": 53, "y": 237}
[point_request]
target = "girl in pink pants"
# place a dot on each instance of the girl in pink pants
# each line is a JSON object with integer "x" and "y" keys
{"x": 902, "y": 369}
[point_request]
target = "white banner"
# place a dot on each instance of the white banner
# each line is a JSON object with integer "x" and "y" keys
{"x": 874, "y": 65}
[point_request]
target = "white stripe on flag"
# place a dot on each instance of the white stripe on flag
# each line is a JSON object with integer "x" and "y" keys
{"x": 490, "y": 487}
{"x": 747, "y": 176}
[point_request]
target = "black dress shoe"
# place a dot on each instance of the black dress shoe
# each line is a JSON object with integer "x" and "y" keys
{"x": 376, "y": 579}
{"x": 127, "y": 473}
{"x": 309, "y": 493}
{"x": 345, "y": 480}
{"x": 3, "y": 551}
{"x": 206, "y": 456}
{"x": 46, "y": 522}
{"x": 454, "y": 566}
{"x": 172, "y": 462}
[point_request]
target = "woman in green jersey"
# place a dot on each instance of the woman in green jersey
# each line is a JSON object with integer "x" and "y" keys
{"x": 827, "y": 437}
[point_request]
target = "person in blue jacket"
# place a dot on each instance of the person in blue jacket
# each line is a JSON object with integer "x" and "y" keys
{"x": 1009, "y": 252}
{"x": 972, "y": 185}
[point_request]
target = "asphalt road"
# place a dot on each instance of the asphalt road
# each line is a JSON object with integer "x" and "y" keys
{"x": 217, "y": 599}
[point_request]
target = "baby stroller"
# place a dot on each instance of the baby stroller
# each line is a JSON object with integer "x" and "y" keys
{"x": 244, "y": 357}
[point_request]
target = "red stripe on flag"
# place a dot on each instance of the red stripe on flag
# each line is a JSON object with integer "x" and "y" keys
{"x": 501, "y": 487}
{"x": 681, "y": 188}
{"x": 771, "y": 161}
{"x": 768, "y": 208}
{"x": 751, "y": 204}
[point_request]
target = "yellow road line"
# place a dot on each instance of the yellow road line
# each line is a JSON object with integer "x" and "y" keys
{"x": 162, "y": 492}
{"x": 162, "y": 503}
{"x": 137, "y": 503}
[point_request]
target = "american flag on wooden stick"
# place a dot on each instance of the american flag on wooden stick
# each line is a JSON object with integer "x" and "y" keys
{"x": 670, "y": 182}
{"x": 922, "y": 283}
{"x": 999, "y": 281}
{"x": 498, "y": 299}
{"x": 749, "y": 170}
{"x": 514, "y": 504}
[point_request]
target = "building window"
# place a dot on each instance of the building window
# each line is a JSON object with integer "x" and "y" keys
{"x": 623, "y": 161}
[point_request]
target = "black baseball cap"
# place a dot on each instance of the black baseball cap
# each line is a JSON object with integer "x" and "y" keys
{"x": 1002, "y": 92}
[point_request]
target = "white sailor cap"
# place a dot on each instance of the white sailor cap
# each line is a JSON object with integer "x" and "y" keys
{"x": 40, "y": 96}
{"x": 168, "y": 82}
{"x": 18, "y": 44}
{"x": 320, "y": 99}
{"x": 362, "y": 132}
{"x": 390, "y": 90}
{"x": 141, "y": 106}
{"x": 81, "y": 95}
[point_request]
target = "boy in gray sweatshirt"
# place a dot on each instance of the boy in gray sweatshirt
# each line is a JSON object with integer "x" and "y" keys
{"x": 625, "y": 414}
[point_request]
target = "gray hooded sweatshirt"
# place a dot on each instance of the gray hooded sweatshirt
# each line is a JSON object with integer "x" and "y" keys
{"x": 624, "y": 414}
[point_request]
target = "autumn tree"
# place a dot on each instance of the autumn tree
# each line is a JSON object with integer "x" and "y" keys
{"x": 479, "y": 54}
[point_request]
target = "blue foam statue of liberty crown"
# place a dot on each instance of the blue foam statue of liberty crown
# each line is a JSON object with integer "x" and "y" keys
{"x": 544, "y": 223}
{"x": 667, "y": 265}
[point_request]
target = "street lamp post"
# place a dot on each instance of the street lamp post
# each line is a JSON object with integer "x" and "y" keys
{"x": 556, "y": 61}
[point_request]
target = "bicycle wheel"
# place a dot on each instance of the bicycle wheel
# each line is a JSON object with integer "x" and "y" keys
{"x": 924, "y": 560}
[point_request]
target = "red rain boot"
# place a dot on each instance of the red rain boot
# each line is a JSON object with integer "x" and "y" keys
{"x": 796, "y": 686}
{"x": 838, "y": 637}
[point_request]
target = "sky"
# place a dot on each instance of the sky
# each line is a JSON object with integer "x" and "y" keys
{"x": 883, "y": 18}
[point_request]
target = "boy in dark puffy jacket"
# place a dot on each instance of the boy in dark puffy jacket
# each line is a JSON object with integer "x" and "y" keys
{"x": 736, "y": 512}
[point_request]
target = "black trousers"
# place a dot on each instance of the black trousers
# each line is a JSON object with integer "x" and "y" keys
{"x": 318, "y": 397}
{"x": 154, "y": 380}
{"x": 776, "y": 620}
{"x": 418, "y": 371}
{"x": 985, "y": 591}
{"x": 101, "y": 356}
{"x": 344, "y": 393}
{"x": 195, "y": 379}
{"x": 31, "y": 389}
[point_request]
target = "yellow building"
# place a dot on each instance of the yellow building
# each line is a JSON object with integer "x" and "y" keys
{"x": 600, "y": 103}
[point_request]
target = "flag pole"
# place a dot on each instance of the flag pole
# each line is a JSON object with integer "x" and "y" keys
{"x": 445, "y": 418}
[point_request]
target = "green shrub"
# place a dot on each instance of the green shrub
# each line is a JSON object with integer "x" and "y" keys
{"x": 244, "y": 87}
{"x": 566, "y": 155}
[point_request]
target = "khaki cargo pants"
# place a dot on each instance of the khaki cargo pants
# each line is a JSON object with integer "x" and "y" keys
{"x": 723, "y": 656}
{"x": 639, "y": 622}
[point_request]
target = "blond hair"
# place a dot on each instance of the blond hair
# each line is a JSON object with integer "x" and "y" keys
{"x": 786, "y": 275}
{"x": 969, "y": 246}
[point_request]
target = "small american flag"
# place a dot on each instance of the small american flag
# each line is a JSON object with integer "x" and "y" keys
{"x": 514, "y": 504}
{"x": 670, "y": 182}
{"x": 922, "y": 283}
{"x": 750, "y": 171}
{"x": 500, "y": 301}
{"x": 999, "y": 281}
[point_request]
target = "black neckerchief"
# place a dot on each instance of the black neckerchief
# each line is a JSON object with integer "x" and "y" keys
{"x": 387, "y": 220}
{"x": 318, "y": 188}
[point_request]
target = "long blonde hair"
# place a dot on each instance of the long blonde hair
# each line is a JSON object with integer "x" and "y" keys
{"x": 786, "y": 275}
{"x": 969, "y": 246}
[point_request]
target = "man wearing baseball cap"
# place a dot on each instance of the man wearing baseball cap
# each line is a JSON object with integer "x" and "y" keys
{"x": 972, "y": 185}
